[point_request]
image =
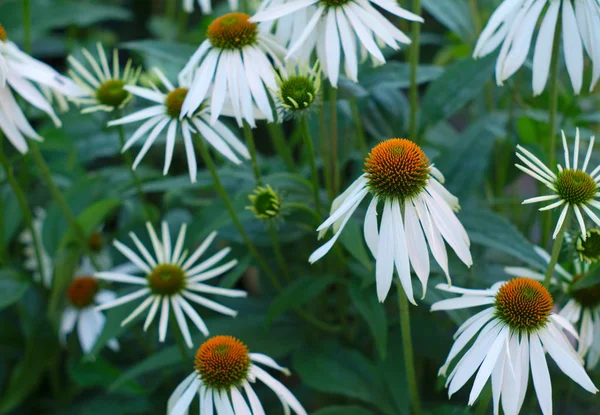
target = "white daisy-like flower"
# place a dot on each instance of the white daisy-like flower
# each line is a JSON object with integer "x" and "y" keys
{"x": 572, "y": 187}
{"x": 23, "y": 74}
{"x": 506, "y": 339}
{"x": 224, "y": 370}
{"x": 42, "y": 274}
{"x": 418, "y": 215}
{"x": 338, "y": 29}
{"x": 206, "y": 5}
{"x": 512, "y": 25}
{"x": 234, "y": 62}
{"x": 165, "y": 115}
{"x": 583, "y": 306}
{"x": 104, "y": 90}
{"x": 171, "y": 279}
{"x": 83, "y": 295}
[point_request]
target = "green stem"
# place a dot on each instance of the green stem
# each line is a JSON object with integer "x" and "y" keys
{"x": 553, "y": 96}
{"x": 335, "y": 168}
{"x": 61, "y": 202}
{"x": 476, "y": 17}
{"x": 555, "y": 253}
{"x": 27, "y": 24}
{"x": 409, "y": 359}
{"x": 282, "y": 148}
{"x": 312, "y": 161}
{"x": 183, "y": 349}
{"x": 249, "y": 136}
{"x": 360, "y": 132}
{"x": 171, "y": 10}
{"x": 414, "y": 68}
{"x": 28, "y": 217}
{"x": 277, "y": 249}
{"x": 136, "y": 180}
{"x": 303, "y": 207}
{"x": 325, "y": 148}
{"x": 208, "y": 160}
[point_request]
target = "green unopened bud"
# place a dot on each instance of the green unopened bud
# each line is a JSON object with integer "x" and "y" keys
{"x": 589, "y": 248}
{"x": 266, "y": 203}
{"x": 298, "y": 88}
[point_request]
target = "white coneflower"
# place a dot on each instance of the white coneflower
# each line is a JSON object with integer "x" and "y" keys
{"x": 171, "y": 280}
{"x": 234, "y": 62}
{"x": 165, "y": 115}
{"x": 83, "y": 295}
{"x": 583, "y": 306}
{"x": 512, "y": 25}
{"x": 339, "y": 29}
{"x": 105, "y": 90}
{"x": 42, "y": 274}
{"x": 417, "y": 216}
{"x": 20, "y": 73}
{"x": 206, "y": 6}
{"x": 224, "y": 370}
{"x": 503, "y": 341}
{"x": 572, "y": 187}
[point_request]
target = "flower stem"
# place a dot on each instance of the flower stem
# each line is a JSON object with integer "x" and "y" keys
{"x": 27, "y": 24}
{"x": 414, "y": 67}
{"x": 555, "y": 253}
{"x": 278, "y": 140}
{"x": 61, "y": 202}
{"x": 335, "y": 168}
{"x": 360, "y": 132}
{"x": 183, "y": 349}
{"x": 210, "y": 164}
{"x": 249, "y": 136}
{"x": 325, "y": 148}
{"x": 409, "y": 360}
{"x": 312, "y": 161}
{"x": 28, "y": 217}
{"x": 277, "y": 249}
{"x": 136, "y": 180}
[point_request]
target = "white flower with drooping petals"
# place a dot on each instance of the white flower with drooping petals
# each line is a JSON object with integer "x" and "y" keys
{"x": 233, "y": 66}
{"x": 165, "y": 115}
{"x": 224, "y": 371}
{"x": 83, "y": 295}
{"x": 21, "y": 73}
{"x": 339, "y": 30}
{"x": 418, "y": 215}
{"x": 508, "y": 338}
{"x": 572, "y": 187}
{"x": 513, "y": 24}
{"x": 206, "y": 6}
{"x": 171, "y": 280}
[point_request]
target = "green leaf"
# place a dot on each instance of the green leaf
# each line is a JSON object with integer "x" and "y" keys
{"x": 461, "y": 82}
{"x": 343, "y": 410}
{"x": 454, "y": 14}
{"x": 112, "y": 326}
{"x": 373, "y": 313}
{"x": 296, "y": 294}
{"x": 172, "y": 52}
{"x": 93, "y": 216}
{"x": 352, "y": 239}
{"x": 12, "y": 286}
{"x": 493, "y": 231}
{"x": 100, "y": 372}
{"x": 396, "y": 75}
{"x": 12, "y": 215}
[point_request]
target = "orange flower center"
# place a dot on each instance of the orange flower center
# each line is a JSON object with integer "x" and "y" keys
{"x": 524, "y": 304}
{"x": 222, "y": 362}
{"x": 82, "y": 291}
{"x": 397, "y": 168}
{"x": 3, "y": 36}
{"x": 232, "y": 31}
{"x": 96, "y": 241}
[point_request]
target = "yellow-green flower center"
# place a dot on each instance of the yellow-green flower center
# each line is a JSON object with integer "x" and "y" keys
{"x": 232, "y": 31}
{"x": 166, "y": 279}
{"x": 111, "y": 93}
{"x": 524, "y": 304}
{"x": 297, "y": 92}
{"x": 266, "y": 203}
{"x": 397, "y": 168}
{"x": 575, "y": 186}
{"x": 174, "y": 101}
{"x": 3, "y": 35}
{"x": 82, "y": 291}
{"x": 589, "y": 249}
{"x": 222, "y": 362}
{"x": 334, "y": 3}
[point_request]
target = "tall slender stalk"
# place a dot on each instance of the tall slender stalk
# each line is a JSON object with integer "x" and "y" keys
{"x": 409, "y": 359}
{"x": 282, "y": 148}
{"x": 27, "y": 24}
{"x": 278, "y": 252}
{"x": 210, "y": 164}
{"x": 249, "y": 137}
{"x": 27, "y": 216}
{"x": 360, "y": 132}
{"x": 325, "y": 150}
{"x": 556, "y": 247}
{"x": 335, "y": 168}
{"x": 136, "y": 180}
{"x": 414, "y": 68}
{"x": 312, "y": 161}
{"x": 61, "y": 202}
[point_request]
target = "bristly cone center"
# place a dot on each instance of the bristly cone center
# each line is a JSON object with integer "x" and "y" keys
{"x": 232, "y": 31}
{"x": 222, "y": 362}
{"x": 523, "y": 304}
